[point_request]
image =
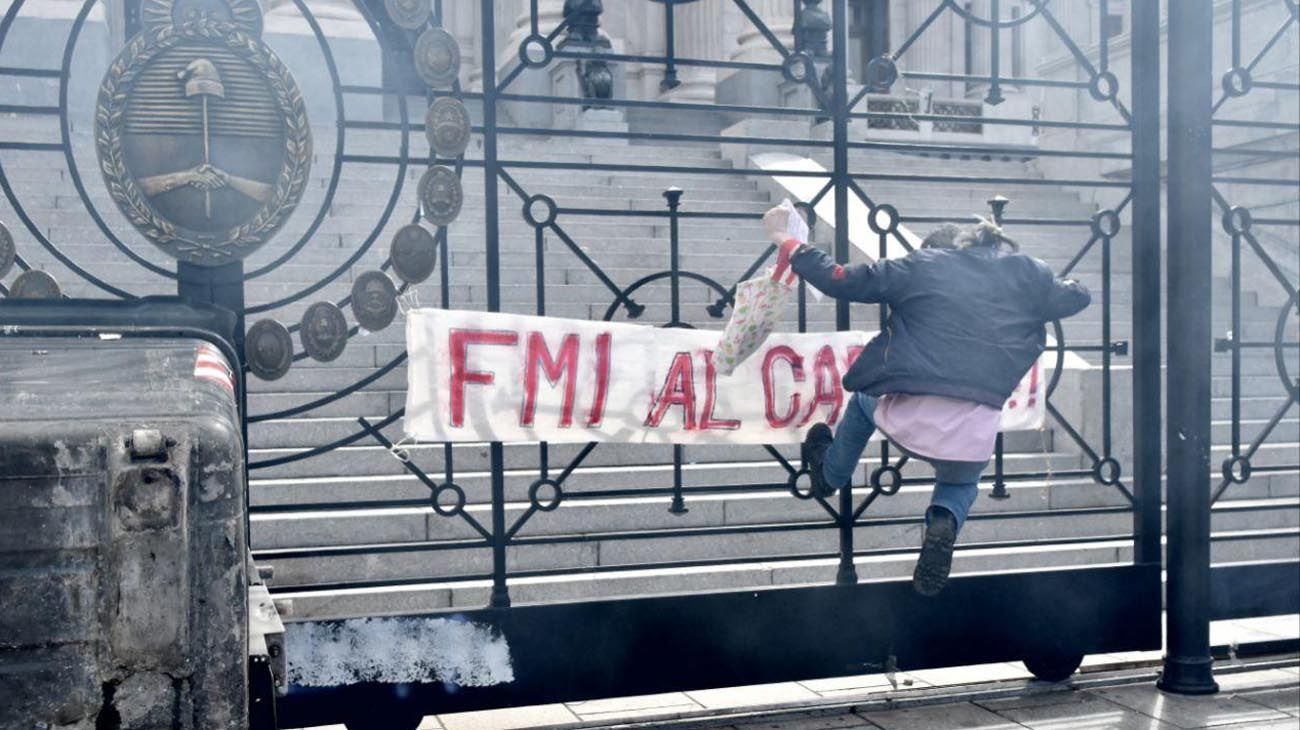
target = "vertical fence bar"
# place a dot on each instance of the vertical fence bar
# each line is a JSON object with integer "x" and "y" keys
{"x": 492, "y": 245}
{"x": 847, "y": 573}
{"x": 1188, "y": 664}
{"x": 670, "y": 51}
{"x": 1147, "y": 446}
{"x": 221, "y": 286}
{"x": 674, "y": 197}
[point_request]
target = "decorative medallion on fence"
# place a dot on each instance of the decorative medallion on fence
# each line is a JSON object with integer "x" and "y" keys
{"x": 201, "y": 131}
{"x": 374, "y": 300}
{"x": 35, "y": 284}
{"x": 409, "y": 14}
{"x": 8, "y": 253}
{"x": 447, "y": 126}
{"x": 268, "y": 348}
{"x": 441, "y": 195}
{"x": 414, "y": 253}
{"x": 324, "y": 331}
{"x": 437, "y": 58}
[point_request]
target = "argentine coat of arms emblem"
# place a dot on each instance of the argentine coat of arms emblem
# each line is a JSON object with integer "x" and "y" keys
{"x": 202, "y": 134}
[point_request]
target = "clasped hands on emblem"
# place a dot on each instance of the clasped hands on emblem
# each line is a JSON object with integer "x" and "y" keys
{"x": 205, "y": 177}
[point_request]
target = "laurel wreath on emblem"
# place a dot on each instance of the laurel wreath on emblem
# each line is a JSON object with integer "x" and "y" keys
{"x": 113, "y": 96}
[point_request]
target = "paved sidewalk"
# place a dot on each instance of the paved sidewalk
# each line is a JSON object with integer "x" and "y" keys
{"x": 1111, "y": 692}
{"x": 1259, "y": 700}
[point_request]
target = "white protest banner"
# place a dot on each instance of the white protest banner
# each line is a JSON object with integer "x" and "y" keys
{"x": 478, "y": 376}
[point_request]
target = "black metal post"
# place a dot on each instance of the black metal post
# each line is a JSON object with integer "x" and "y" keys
{"x": 994, "y": 96}
{"x": 877, "y": 37}
{"x": 674, "y": 197}
{"x": 847, "y": 573}
{"x": 1188, "y": 664}
{"x": 222, "y": 286}
{"x": 491, "y": 234}
{"x": 670, "y": 80}
{"x": 1147, "y": 447}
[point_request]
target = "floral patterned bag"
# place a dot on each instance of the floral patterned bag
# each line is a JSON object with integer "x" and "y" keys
{"x": 759, "y": 303}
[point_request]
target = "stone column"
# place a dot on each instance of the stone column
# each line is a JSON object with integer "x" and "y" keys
{"x": 939, "y": 49}
{"x": 532, "y": 81}
{"x": 752, "y": 47}
{"x": 549, "y": 15}
{"x": 462, "y": 21}
{"x": 698, "y": 31}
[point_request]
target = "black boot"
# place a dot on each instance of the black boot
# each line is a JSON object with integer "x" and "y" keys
{"x": 932, "y": 567}
{"x": 813, "y": 451}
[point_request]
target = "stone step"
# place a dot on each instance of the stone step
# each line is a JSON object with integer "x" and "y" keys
{"x": 434, "y": 595}
{"x": 1286, "y": 431}
{"x": 322, "y": 527}
{"x": 365, "y": 401}
{"x": 606, "y": 550}
{"x": 327, "y": 477}
{"x": 306, "y": 432}
{"x": 1256, "y": 407}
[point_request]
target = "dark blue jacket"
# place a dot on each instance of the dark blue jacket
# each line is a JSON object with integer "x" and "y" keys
{"x": 962, "y": 323}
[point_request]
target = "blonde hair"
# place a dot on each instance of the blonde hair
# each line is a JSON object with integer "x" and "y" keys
{"x": 985, "y": 233}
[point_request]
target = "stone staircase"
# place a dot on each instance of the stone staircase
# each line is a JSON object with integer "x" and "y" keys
{"x": 351, "y": 532}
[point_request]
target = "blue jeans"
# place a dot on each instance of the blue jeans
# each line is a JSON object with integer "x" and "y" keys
{"x": 956, "y": 482}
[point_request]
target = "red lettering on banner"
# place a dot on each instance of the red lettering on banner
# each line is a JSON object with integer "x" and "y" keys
{"x": 678, "y": 390}
{"x": 602, "y": 380}
{"x": 459, "y": 344}
{"x": 826, "y": 379}
{"x": 707, "y": 421}
{"x": 563, "y": 367}
{"x": 854, "y": 351}
{"x": 786, "y": 353}
{"x": 1033, "y": 388}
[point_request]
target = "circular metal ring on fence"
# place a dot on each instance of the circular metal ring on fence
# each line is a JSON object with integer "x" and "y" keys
{"x": 1236, "y": 469}
{"x": 324, "y": 331}
{"x": 441, "y": 195}
{"x": 798, "y": 68}
{"x": 550, "y": 505}
{"x": 447, "y": 126}
{"x": 437, "y": 58}
{"x": 374, "y": 300}
{"x": 268, "y": 348}
{"x": 1237, "y": 82}
{"x": 35, "y": 284}
{"x": 882, "y": 72}
{"x": 1106, "y": 471}
{"x": 8, "y": 252}
{"x": 408, "y": 14}
{"x": 1105, "y": 224}
{"x": 1292, "y": 385}
{"x": 540, "y": 210}
{"x": 1237, "y": 220}
{"x": 890, "y": 214}
{"x": 887, "y": 480}
{"x": 535, "y": 51}
{"x": 454, "y": 508}
{"x": 413, "y": 253}
{"x": 1104, "y": 86}
{"x": 792, "y": 482}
